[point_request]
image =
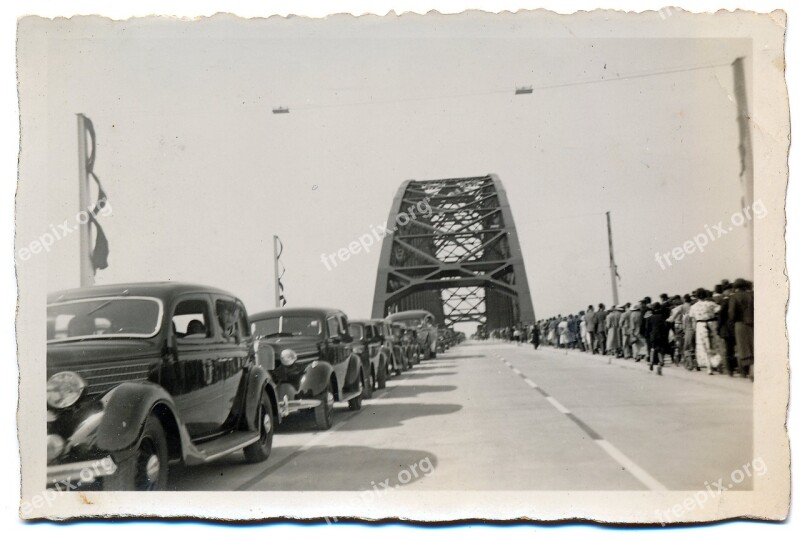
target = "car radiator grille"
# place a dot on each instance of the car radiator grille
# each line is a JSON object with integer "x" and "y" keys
{"x": 101, "y": 379}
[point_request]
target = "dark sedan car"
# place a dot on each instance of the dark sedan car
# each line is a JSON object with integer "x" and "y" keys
{"x": 368, "y": 343}
{"x": 143, "y": 374}
{"x": 309, "y": 353}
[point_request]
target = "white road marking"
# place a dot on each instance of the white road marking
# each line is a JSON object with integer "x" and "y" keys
{"x": 630, "y": 466}
{"x": 554, "y": 402}
{"x": 615, "y": 453}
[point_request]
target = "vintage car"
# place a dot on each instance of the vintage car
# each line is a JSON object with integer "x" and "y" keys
{"x": 368, "y": 343}
{"x": 309, "y": 353}
{"x": 144, "y": 374}
{"x": 423, "y": 324}
{"x": 393, "y": 346}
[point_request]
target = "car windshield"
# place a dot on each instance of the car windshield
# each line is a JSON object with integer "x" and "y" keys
{"x": 288, "y": 325}
{"x": 99, "y": 318}
{"x": 357, "y": 331}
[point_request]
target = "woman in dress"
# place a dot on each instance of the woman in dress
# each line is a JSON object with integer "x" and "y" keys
{"x": 707, "y": 349}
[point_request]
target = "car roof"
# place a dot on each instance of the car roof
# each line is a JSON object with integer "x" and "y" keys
{"x": 159, "y": 289}
{"x": 324, "y": 312}
{"x": 410, "y": 314}
{"x": 372, "y": 322}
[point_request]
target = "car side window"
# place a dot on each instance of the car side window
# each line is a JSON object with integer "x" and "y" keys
{"x": 191, "y": 320}
{"x": 333, "y": 327}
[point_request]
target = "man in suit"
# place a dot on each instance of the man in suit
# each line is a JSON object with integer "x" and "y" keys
{"x": 600, "y": 318}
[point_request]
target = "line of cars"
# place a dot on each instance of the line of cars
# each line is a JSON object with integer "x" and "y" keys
{"x": 147, "y": 375}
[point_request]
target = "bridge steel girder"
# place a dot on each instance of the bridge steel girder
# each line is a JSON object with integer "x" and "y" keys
{"x": 452, "y": 249}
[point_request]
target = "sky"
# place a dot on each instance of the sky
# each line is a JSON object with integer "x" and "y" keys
{"x": 200, "y": 174}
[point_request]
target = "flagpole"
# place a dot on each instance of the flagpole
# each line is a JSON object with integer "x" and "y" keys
{"x": 745, "y": 144}
{"x": 612, "y": 264}
{"x": 277, "y": 275}
{"x": 86, "y": 269}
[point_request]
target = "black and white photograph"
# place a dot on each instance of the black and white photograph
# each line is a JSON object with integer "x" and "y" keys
{"x": 413, "y": 267}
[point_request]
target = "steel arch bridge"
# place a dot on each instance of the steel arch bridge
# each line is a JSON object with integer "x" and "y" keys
{"x": 454, "y": 252}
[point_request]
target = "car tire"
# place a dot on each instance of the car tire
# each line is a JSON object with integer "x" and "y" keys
{"x": 426, "y": 352}
{"x": 397, "y": 365}
{"x": 323, "y": 413}
{"x": 383, "y": 375}
{"x": 147, "y": 469}
{"x": 368, "y": 383}
{"x": 259, "y": 451}
{"x": 355, "y": 403}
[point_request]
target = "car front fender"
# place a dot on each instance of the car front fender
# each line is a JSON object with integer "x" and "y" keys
{"x": 315, "y": 379}
{"x": 125, "y": 409}
{"x": 259, "y": 380}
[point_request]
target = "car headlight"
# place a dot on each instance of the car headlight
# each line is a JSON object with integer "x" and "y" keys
{"x": 64, "y": 389}
{"x": 55, "y": 445}
{"x": 288, "y": 357}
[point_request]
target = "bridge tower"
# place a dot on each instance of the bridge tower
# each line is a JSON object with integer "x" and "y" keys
{"x": 454, "y": 252}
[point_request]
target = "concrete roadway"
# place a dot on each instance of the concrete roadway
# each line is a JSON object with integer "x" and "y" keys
{"x": 496, "y": 416}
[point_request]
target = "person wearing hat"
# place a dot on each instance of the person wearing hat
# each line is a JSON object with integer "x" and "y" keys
{"x": 741, "y": 313}
{"x": 707, "y": 341}
{"x": 657, "y": 336}
{"x": 625, "y": 329}
{"x": 600, "y": 329}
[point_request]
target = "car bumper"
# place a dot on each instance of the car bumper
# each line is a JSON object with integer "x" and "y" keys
{"x": 80, "y": 472}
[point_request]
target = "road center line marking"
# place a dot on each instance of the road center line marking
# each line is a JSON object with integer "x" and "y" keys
{"x": 631, "y": 467}
{"x": 615, "y": 453}
{"x": 559, "y": 407}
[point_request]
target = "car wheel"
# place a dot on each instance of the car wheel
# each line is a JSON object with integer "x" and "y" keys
{"x": 368, "y": 383}
{"x": 383, "y": 375}
{"x": 147, "y": 469}
{"x": 260, "y": 450}
{"x": 323, "y": 413}
{"x": 426, "y": 352}
{"x": 355, "y": 403}
{"x": 397, "y": 365}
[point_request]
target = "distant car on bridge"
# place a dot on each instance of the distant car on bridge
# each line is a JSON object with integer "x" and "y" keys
{"x": 423, "y": 324}
{"x": 309, "y": 354}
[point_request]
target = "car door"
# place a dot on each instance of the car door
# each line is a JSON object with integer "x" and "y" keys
{"x": 335, "y": 351}
{"x": 234, "y": 355}
{"x": 197, "y": 383}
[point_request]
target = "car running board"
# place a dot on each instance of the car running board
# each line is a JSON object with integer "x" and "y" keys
{"x": 227, "y": 444}
{"x": 351, "y": 395}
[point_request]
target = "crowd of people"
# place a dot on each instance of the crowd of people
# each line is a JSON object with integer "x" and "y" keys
{"x": 706, "y": 330}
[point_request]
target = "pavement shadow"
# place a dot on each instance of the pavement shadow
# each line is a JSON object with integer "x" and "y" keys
{"x": 358, "y": 468}
{"x": 414, "y": 390}
{"x": 417, "y": 375}
{"x": 461, "y": 357}
{"x": 377, "y": 415}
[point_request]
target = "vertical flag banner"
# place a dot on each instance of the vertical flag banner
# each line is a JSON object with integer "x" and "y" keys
{"x": 98, "y": 254}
